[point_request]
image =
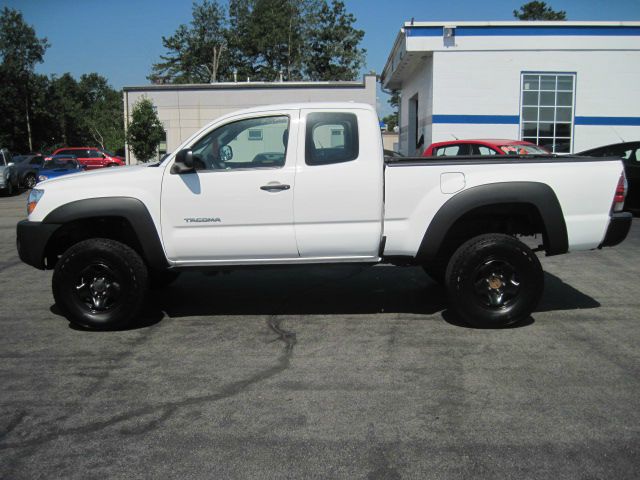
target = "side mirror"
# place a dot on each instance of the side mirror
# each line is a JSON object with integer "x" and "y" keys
{"x": 225, "y": 153}
{"x": 10, "y": 164}
{"x": 183, "y": 162}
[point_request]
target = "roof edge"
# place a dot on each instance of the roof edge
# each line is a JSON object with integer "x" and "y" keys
{"x": 525, "y": 23}
{"x": 251, "y": 85}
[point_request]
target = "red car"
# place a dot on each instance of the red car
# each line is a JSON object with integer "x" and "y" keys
{"x": 90, "y": 157}
{"x": 483, "y": 147}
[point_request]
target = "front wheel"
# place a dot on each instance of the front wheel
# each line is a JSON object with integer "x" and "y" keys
{"x": 494, "y": 280}
{"x": 100, "y": 284}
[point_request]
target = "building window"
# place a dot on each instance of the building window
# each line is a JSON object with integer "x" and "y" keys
{"x": 255, "y": 134}
{"x": 546, "y": 116}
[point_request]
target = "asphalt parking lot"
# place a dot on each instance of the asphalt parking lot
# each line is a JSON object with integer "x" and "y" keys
{"x": 317, "y": 372}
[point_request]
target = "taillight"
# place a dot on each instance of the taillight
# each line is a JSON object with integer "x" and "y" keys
{"x": 621, "y": 193}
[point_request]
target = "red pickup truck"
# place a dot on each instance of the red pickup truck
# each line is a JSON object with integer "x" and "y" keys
{"x": 90, "y": 157}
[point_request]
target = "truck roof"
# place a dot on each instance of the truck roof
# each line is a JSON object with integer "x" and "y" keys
{"x": 299, "y": 105}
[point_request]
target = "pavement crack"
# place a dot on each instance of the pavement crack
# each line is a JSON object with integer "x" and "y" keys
{"x": 15, "y": 421}
{"x": 151, "y": 417}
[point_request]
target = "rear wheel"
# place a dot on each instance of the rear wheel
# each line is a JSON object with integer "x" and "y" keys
{"x": 100, "y": 283}
{"x": 494, "y": 280}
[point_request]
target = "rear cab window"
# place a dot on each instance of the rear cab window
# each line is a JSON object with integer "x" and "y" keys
{"x": 331, "y": 137}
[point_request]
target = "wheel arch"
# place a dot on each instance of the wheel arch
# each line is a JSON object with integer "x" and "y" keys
{"x": 120, "y": 218}
{"x": 536, "y": 200}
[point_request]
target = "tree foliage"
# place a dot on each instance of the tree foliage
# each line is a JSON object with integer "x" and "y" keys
{"x": 263, "y": 40}
{"x": 40, "y": 113}
{"x": 392, "y": 119}
{"x": 539, "y": 11}
{"x": 145, "y": 132}
{"x": 20, "y": 51}
{"x": 195, "y": 51}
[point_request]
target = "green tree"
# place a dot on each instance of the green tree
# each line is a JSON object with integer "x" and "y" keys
{"x": 196, "y": 52}
{"x": 539, "y": 11}
{"x": 334, "y": 45}
{"x": 20, "y": 51}
{"x": 63, "y": 98}
{"x": 145, "y": 132}
{"x": 102, "y": 112}
{"x": 263, "y": 40}
{"x": 392, "y": 119}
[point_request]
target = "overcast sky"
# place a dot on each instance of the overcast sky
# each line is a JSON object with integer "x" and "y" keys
{"x": 120, "y": 39}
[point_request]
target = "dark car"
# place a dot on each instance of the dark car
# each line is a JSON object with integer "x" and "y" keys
{"x": 58, "y": 166}
{"x": 629, "y": 152}
{"x": 27, "y": 167}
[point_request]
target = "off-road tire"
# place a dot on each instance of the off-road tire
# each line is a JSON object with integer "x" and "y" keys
{"x": 494, "y": 280}
{"x": 110, "y": 268}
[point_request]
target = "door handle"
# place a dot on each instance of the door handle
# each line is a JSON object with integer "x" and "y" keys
{"x": 275, "y": 187}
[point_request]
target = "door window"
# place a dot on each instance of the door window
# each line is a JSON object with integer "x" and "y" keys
{"x": 251, "y": 143}
{"x": 331, "y": 138}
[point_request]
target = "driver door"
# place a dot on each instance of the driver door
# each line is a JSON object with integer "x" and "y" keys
{"x": 238, "y": 204}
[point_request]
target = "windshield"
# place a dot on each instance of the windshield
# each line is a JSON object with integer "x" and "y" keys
{"x": 523, "y": 150}
{"x": 107, "y": 152}
{"x": 64, "y": 163}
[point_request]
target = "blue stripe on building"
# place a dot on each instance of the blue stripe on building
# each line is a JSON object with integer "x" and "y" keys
{"x": 618, "y": 121}
{"x": 515, "y": 120}
{"x": 478, "y": 119}
{"x": 526, "y": 31}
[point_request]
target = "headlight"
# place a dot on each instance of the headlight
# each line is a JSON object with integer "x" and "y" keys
{"x": 42, "y": 178}
{"x": 34, "y": 198}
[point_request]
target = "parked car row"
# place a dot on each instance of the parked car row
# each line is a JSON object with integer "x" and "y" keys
{"x": 25, "y": 171}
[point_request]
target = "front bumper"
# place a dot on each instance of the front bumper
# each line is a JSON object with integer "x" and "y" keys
{"x": 618, "y": 229}
{"x": 32, "y": 239}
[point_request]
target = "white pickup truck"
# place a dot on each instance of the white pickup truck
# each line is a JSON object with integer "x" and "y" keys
{"x": 308, "y": 183}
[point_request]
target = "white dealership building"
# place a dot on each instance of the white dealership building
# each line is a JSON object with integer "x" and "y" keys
{"x": 567, "y": 85}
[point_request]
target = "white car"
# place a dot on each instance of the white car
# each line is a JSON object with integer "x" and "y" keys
{"x": 308, "y": 183}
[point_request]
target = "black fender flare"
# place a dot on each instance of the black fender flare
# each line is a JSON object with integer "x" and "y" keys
{"x": 540, "y": 195}
{"x": 132, "y": 209}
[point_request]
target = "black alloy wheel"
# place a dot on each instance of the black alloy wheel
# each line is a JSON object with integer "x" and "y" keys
{"x": 100, "y": 283}
{"x": 494, "y": 280}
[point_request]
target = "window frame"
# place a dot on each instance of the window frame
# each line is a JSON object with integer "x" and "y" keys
{"x": 351, "y": 135}
{"x": 233, "y": 120}
{"x": 554, "y": 137}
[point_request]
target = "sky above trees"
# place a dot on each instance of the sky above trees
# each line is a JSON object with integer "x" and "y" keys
{"x": 121, "y": 39}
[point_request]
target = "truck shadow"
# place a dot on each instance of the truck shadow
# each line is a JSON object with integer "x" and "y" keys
{"x": 331, "y": 290}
